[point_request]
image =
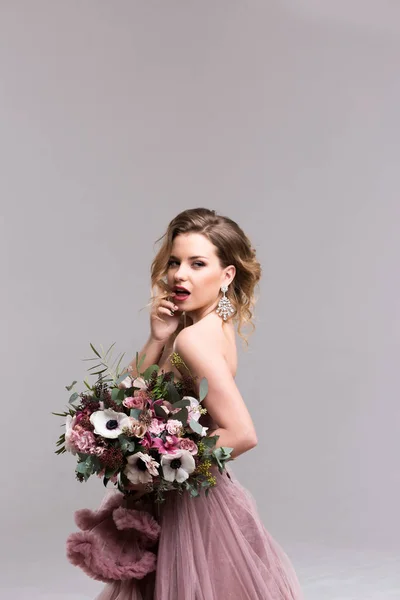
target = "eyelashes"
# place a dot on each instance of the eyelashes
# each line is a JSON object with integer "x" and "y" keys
{"x": 200, "y": 264}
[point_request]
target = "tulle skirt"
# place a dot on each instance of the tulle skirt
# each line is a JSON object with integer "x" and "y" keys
{"x": 203, "y": 548}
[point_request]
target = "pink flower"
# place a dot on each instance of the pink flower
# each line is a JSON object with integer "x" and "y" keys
{"x": 188, "y": 444}
{"x": 69, "y": 432}
{"x": 156, "y": 427}
{"x": 173, "y": 427}
{"x": 169, "y": 446}
{"x": 140, "y": 383}
{"x": 146, "y": 441}
{"x": 83, "y": 440}
{"x": 134, "y": 427}
{"x": 139, "y": 401}
{"x": 194, "y": 408}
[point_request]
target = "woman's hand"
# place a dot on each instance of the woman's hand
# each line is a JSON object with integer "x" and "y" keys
{"x": 163, "y": 322}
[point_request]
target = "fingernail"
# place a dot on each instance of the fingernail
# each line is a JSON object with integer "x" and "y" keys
{"x": 176, "y": 307}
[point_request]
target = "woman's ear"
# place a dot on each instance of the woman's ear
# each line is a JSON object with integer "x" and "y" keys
{"x": 230, "y": 274}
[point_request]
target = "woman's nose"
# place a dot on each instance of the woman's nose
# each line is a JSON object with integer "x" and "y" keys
{"x": 180, "y": 273}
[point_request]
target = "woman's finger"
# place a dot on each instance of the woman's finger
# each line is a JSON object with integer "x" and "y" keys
{"x": 166, "y": 311}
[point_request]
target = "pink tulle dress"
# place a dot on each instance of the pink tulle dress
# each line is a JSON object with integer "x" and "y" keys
{"x": 202, "y": 548}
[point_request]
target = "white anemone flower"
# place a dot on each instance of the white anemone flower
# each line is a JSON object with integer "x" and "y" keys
{"x": 108, "y": 423}
{"x": 178, "y": 466}
{"x": 141, "y": 468}
{"x": 69, "y": 425}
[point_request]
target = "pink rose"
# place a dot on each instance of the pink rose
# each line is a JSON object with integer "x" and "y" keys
{"x": 174, "y": 427}
{"x": 135, "y": 402}
{"x": 134, "y": 427}
{"x": 187, "y": 444}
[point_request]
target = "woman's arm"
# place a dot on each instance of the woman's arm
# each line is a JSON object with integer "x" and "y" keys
{"x": 223, "y": 401}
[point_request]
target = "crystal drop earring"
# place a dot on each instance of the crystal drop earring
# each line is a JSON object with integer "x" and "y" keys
{"x": 225, "y": 308}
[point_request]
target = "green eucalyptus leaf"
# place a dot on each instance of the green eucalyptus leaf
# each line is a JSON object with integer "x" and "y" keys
{"x": 172, "y": 393}
{"x": 221, "y": 456}
{"x": 72, "y": 398}
{"x": 149, "y": 371}
{"x": 81, "y": 468}
{"x": 117, "y": 394}
{"x": 182, "y": 403}
{"x": 195, "y": 426}
{"x": 226, "y": 452}
{"x": 127, "y": 444}
{"x": 135, "y": 412}
{"x": 160, "y": 412}
{"x": 210, "y": 442}
{"x": 122, "y": 377}
{"x": 182, "y": 416}
{"x": 203, "y": 390}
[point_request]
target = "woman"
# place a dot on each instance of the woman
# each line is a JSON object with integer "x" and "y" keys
{"x": 215, "y": 547}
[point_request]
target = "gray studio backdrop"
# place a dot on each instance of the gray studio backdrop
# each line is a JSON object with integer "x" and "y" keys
{"x": 283, "y": 116}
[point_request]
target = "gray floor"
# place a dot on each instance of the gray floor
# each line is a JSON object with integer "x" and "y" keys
{"x": 325, "y": 574}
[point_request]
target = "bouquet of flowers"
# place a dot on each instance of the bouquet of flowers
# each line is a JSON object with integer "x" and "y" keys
{"x": 141, "y": 429}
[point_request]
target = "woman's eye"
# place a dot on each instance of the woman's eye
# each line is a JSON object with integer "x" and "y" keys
{"x": 198, "y": 263}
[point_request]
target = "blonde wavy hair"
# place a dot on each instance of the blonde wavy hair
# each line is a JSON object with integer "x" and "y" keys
{"x": 233, "y": 247}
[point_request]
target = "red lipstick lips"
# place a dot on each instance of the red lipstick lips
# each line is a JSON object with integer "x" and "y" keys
{"x": 181, "y": 293}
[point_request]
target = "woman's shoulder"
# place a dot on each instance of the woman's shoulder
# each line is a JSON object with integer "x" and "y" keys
{"x": 208, "y": 338}
{"x": 205, "y": 333}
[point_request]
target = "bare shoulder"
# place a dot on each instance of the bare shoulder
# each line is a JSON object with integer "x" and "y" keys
{"x": 201, "y": 346}
{"x": 203, "y": 338}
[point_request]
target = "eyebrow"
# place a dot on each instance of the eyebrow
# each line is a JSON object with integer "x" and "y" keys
{"x": 190, "y": 257}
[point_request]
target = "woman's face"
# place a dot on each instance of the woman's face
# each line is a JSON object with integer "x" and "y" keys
{"x": 194, "y": 265}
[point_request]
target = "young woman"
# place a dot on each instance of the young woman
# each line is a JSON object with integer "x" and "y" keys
{"x": 215, "y": 547}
